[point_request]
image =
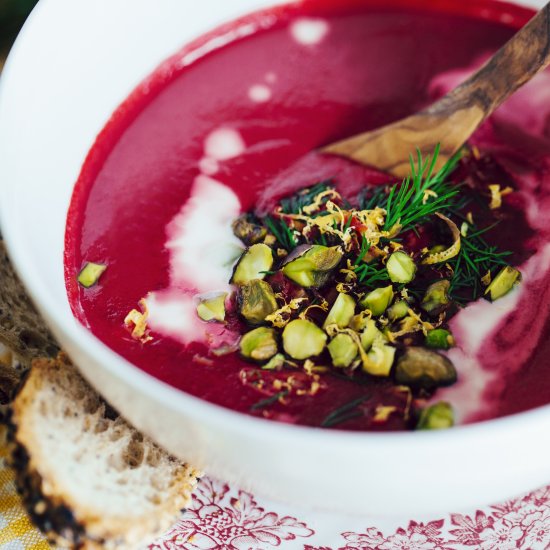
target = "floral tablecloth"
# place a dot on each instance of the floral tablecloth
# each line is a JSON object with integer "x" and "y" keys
{"x": 224, "y": 517}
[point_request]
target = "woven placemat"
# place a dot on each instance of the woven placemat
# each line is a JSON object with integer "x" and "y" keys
{"x": 16, "y": 529}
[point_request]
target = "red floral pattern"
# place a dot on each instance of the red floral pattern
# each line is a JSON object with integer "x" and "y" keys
{"x": 417, "y": 536}
{"x": 219, "y": 518}
{"x": 229, "y": 519}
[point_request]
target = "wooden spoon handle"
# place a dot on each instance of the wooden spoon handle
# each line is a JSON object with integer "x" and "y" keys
{"x": 455, "y": 117}
{"x": 521, "y": 58}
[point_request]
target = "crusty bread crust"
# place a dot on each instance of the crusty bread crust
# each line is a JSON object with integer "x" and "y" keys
{"x": 57, "y": 507}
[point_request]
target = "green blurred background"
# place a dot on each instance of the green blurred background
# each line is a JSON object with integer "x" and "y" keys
{"x": 12, "y": 16}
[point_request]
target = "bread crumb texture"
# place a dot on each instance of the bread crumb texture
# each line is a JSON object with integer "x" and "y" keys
{"x": 88, "y": 478}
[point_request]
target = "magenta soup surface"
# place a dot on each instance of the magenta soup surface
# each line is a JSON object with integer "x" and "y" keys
{"x": 247, "y": 116}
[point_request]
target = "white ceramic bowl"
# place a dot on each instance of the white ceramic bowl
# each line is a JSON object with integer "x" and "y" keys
{"x": 74, "y": 62}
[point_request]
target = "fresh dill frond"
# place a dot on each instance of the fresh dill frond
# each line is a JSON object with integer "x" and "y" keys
{"x": 370, "y": 274}
{"x": 348, "y": 223}
{"x": 348, "y": 411}
{"x": 475, "y": 259}
{"x": 269, "y": 400}
{"x": 423, "y": 193}
{"x": 372, "y": 197}
{"x": 365, "y": 245}
{"x": 281, "y": 232}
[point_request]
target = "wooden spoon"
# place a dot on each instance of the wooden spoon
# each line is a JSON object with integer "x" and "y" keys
{"x": 453, "y": 119}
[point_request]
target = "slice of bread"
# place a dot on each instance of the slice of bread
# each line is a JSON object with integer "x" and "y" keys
{"x": 22, "y": 330}
{"x": 88, "y": 478}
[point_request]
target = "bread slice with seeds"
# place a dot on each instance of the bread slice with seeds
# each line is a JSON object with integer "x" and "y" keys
{"x": 88, "y": 478}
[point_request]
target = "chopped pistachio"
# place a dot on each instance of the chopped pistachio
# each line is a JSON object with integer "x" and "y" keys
{"x": 256, "y": 301}
{"x": 253, "y": 264}
{"x": 370, "y": 334}
{"x": 401, "y": 267}
{"x": 312, "y": 268}
{"x": 398, "y": 310}
{"x": 212, "y": 307}
{"x": 343, "y": 350}
{"x": 436, "y": 299}
{"x": 303, "y": 339}
{"x": 421, "y": 368}
{"x": 506, "y": 279}
{"x": 275, "y": 362}
{"x": 90, "y": 274}
{"x": 436, "y": 417}
{"x": 259, "y": 344}
{"x": 249, "y": 233}
{"x": 378, "y": 300}
{"x": 341, "y": 312}
{"x": 379, "y": 359}
{"x": 379, "y": 356}
{"x": 439, "y": 338}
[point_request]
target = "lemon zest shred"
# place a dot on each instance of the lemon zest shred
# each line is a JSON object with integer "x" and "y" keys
{"x": 279, "y": 317}
{"x": 486, "y": 279}
{"x": 138, "y": 319}
{"x": 316, "y": 205}
{"x": 496, "y": 195}
{"x": 449, "y": 252}
{"x": 427, "y": 194}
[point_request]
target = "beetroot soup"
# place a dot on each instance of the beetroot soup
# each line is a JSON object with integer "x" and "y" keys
{"x": 210, "y": 245}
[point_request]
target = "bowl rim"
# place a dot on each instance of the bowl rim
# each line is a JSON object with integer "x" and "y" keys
{"x": 195, "y": 407}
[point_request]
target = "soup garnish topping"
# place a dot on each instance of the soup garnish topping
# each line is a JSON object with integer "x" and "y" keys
{"x": 366, "y": 291}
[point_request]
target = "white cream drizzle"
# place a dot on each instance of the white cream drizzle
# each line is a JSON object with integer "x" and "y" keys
{"x": 309, "y": 31}
{"x": 472, "y": 327}
{"x": 224, "y": 144}
{"x": 202, "y": 252}
{"x": 173, "y": 313}
{"x": 259, "y": 93}
{"x": 200, "y": 240}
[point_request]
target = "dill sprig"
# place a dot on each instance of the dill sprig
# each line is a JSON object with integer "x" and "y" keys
{"x": 344, "y": 413}
{"x": 371, "y": 197}
{"x": 269, "y": 400}
{"x": 367, "y": 273}
{"x": 475, "y": 259}
{"x": 365, "y": 245}
{"x": 370, "y": 274}
{"x": 421, "y": 194}
{"x": 281, "y": 232}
